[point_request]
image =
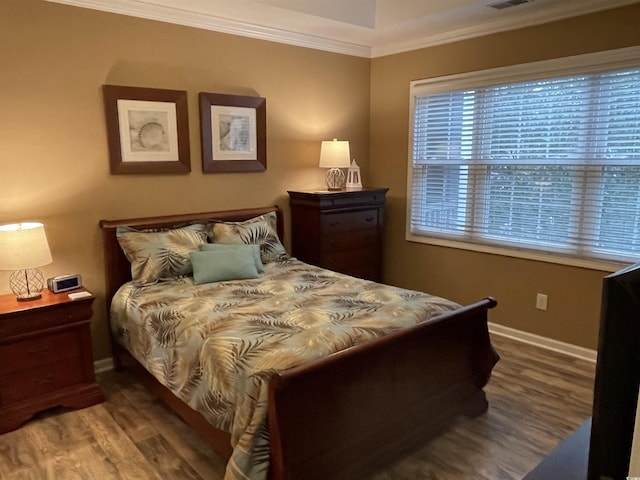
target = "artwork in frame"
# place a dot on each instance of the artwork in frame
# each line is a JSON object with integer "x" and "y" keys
{"x": 148, "y": 130}
{"x": 233, "y": 133}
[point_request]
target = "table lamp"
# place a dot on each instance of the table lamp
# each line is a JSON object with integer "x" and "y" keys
{"x": 23, "y": 246}
{"x": 335, "y": 155}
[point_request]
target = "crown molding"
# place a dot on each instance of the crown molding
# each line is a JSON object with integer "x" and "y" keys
{"x": 566, "y": 9}
{"x": 348, "y": 40}
{"x": 161, "y": 13}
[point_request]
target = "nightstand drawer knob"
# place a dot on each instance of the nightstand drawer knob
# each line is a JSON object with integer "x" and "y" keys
{"x": 44, "y": 380}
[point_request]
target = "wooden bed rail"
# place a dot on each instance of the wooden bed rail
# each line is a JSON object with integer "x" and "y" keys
{"x": 363, "y": 406}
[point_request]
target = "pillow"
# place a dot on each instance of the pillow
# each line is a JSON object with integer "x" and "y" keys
{"x": 219, "y": 265}
{"x": 252, "y": 249}
{"x": 258, "y": 230}
{"x": 160, "y": 255}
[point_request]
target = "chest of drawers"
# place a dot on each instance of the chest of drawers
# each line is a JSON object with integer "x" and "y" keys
{"x": 339, "y": 230}
{"x": 46, "y": 357}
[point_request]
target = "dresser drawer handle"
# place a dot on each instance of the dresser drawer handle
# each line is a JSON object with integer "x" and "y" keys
{"x": 44, "y": 381}
{"x": 333, "y": 224}
{"x": 38, "y": 353}
{"x": 369, "y": 219}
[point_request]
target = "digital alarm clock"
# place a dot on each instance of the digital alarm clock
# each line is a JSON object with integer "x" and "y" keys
{"x": 64, "y": 283}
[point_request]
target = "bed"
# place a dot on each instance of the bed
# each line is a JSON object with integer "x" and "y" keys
{"x": 335, "y": 415}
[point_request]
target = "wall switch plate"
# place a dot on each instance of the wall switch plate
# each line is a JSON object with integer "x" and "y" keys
{"x": 541, "y": 301}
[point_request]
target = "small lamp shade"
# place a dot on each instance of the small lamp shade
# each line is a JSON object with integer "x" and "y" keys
{"x": 24, "y": 246}
{"x": 335, "y": 155}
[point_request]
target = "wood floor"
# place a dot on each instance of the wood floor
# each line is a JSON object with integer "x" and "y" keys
{"x": 536, "y": 399}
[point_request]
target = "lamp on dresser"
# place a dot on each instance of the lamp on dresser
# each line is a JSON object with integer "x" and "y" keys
{"x": 23, "y": 247}
{"x": 335, "y": 156}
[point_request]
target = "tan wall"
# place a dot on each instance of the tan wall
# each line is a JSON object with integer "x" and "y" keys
{"x": 574, "y": 293}
{"x": 53, "y": 146}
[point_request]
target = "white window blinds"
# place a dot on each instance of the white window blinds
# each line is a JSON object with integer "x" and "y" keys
{"x": 551, "y": 165}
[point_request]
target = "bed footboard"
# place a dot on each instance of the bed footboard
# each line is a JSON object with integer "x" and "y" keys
{"x": 363, "y": 406}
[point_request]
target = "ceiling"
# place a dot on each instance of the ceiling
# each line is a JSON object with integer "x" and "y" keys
{"x": 366, "y": 28}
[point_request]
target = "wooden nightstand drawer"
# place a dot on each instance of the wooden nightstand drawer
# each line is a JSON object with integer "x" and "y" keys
{"x": 349, "y": 221}
{"x": 17, "y": 386}
{"x": 45, "y": 350}
{"x": 25, "y": 322}
{"x": 338, "y": 242}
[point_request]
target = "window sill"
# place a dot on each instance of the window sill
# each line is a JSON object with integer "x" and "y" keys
{"x": 602, "y": 265}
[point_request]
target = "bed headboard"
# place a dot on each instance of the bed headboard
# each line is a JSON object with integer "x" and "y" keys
{"x": 117, "y": 269}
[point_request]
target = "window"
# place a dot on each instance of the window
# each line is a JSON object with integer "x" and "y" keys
{"x": 547, "y": 165}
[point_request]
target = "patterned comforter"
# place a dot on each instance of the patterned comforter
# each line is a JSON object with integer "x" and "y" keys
{"x": 215, "y": 345}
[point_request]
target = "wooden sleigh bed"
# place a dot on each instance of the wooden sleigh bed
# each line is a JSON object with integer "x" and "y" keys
{"x": 362, "y": 407}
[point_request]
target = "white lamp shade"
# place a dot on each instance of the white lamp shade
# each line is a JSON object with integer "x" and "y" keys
{"x": 335, "y": 154}
{"x": 23, "y": 246}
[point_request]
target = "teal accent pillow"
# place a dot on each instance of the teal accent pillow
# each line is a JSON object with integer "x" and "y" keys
{"x": 252, "y": 249}
{"x": 217, "y": 265}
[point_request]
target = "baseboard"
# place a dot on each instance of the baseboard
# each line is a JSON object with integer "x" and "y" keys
{"x": 103, "y": 365}
{"x": 544, "y": 342}
{"x": 106, "y": 364}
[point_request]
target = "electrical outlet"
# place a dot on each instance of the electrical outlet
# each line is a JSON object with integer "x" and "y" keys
{"x": 541, "y": 301}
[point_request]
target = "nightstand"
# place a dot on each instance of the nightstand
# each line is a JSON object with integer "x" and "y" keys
{"x": 339, "y": 230}
{"x": 46, "y": 357}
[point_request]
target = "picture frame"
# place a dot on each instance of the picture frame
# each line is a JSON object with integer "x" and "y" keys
{"x": 147, "y": 129}
{"x": 233, "y": 129}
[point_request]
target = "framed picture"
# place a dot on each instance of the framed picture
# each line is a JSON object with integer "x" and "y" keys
{"x": 148, "y": 130}
{"x": 234, "y": 133}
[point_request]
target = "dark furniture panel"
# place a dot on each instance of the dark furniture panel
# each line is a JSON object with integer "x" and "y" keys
{"x": 568, "y": 461}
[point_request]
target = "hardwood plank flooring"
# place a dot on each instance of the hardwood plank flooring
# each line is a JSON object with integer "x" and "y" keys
{"x": 536, "y": 399}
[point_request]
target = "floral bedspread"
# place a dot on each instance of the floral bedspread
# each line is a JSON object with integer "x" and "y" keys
{"x": 215, "y": 345}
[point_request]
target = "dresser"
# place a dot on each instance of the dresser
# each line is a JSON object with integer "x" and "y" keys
{"x": 339, "y": 230}
{"x": 46, "y": 357}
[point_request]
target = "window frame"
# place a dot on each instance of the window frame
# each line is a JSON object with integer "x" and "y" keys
{"x": 587, "y": 63}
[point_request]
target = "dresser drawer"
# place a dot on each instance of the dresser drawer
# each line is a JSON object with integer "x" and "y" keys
{"x": 365, "y": 264}
{"x": 338, "y": 242}
{"x": 30, "y": 383}
{"x": 34, "y": 352}
{"x": 349, "y": 221}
